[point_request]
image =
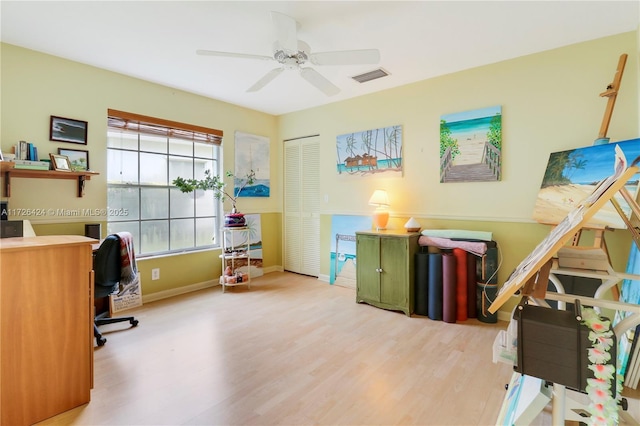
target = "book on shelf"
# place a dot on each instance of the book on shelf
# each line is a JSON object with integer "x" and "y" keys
{"x": 26, "y": 151}
{"x": 22, "y": 150}
{"x": 626, "y": 347}
{"x": 632, "y": 373}
{"x": 33, "y": 152}
{"x": 630, "y": 293}
{"x": 31, "y": 165}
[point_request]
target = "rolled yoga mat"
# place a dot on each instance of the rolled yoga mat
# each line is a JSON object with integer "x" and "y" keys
{"x": 458, "y": 233}
{"x": 449, "y": 290}
{"x": 461, "y": 287}
{"x": 434, "y": 301}
{"x": 472, "y": 308}
{"x": 422, "y": 284}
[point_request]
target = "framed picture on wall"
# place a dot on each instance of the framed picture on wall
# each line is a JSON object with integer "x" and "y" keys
{"x": 68, "y": 130}
{"x": 78, "y": 158}
{"x": 60, "y": 163}
{"x": 252, "y": 156}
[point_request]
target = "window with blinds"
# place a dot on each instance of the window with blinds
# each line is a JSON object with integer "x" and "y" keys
{"x": 144, "y": 156}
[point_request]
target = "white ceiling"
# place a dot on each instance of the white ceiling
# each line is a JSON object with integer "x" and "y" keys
{"x": 157, "y": 40}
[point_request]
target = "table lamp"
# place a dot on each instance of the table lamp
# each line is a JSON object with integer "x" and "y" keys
{"x": 381, "y": 215}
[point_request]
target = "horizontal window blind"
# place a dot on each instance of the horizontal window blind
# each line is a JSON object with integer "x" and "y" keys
{"x": 144, "y": 156}
{"x": 157, "y": 126}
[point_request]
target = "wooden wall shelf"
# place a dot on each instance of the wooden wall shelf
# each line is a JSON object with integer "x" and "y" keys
{"x": 7, "y": 168}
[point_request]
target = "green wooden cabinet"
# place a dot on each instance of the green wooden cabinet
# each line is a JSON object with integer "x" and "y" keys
{"x": 385, "y": 269}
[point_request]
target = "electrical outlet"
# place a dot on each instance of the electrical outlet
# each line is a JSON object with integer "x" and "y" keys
{"x": 155, "y": 274}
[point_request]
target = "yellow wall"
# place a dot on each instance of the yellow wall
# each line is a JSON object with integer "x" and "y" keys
{"x": 549, "y": 103}
{"x": 35, "y": 86}
{"x": 181, "y": 271}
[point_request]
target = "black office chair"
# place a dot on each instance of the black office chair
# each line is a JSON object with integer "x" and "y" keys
{"x": 107, "y": 271}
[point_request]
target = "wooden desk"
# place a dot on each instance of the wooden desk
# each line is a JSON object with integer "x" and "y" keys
{"x": 46, "y": 326}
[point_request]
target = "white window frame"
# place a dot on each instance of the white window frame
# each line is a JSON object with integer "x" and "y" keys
{"x": 119, "y": 218}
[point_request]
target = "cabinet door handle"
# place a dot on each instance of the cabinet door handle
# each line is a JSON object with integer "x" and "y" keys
{"x": 378, "y": 270}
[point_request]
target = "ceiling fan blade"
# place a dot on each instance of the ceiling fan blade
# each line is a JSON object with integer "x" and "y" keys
{"x": 233, "y": 55}
{"x": 286, "y": 32}
{"x": 266, "y": 79}
{"x": 346, "y": 57}
{"x": 317, "y": 80}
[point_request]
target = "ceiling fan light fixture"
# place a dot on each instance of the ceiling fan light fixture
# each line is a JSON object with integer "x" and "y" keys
{"x": 280, "y": 56}
{"x": 371, "y": 75}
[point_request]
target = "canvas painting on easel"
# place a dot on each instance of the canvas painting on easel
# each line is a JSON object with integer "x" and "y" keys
{"x": 532, "y": 269}
{"x": 572, "y": 175}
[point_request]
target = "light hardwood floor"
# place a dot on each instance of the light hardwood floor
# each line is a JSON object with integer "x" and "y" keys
{"x": 291, "y": 351}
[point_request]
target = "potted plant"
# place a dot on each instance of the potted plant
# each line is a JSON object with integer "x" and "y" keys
{"x": 217, "y": 185}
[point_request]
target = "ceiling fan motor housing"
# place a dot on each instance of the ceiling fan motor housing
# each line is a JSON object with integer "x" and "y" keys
{"x": 290, "y": 59}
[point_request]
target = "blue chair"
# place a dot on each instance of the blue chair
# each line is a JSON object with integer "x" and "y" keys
{"x": 107, "y": 271}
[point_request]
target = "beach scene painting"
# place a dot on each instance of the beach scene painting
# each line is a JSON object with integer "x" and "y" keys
{"x": 572, "y": 175}
{"x": 471, "y": 146}
{"x": 251, "y": 153}
{"x": 343, "y": 248}
{"x": 370, "y": 152}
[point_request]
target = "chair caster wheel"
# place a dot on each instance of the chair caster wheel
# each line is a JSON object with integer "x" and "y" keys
{"x": 624, "y": 404}
{"x": 101, "y": 341}
{"x": 134, "y": 322}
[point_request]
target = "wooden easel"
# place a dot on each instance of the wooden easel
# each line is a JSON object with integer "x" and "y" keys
{"x": 630, "y": 222}
{"x": 599, "y": 241}
{"x": 612, "y": 93}
{"x": 531, "y": 272}
{"x": 531, "y": 276}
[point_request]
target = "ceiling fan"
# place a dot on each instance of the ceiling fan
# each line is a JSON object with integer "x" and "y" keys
{"x": 294, "y": 54}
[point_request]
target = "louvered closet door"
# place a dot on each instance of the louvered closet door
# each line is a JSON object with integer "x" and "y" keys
{"x": 302, "y": 206}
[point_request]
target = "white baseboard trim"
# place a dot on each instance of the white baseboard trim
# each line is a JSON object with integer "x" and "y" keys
{"x": 178, "y": 291}
{"x": 502, "y": 315}
{"x": 194, "y": 287}
{"x": 271, "y": 269}
{"x": 324, "y": 278}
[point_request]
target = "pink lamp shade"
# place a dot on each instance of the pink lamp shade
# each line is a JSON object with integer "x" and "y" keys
{"x": 380, "y": 199}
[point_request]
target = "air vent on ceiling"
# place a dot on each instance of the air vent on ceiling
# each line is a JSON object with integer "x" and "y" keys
{"x": 371, "y": 75}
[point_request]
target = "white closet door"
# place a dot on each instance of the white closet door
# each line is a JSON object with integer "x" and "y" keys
{"x": 302, "y": 206}
{"x": 310, "y": 184}
{"x": 292, "y": 220}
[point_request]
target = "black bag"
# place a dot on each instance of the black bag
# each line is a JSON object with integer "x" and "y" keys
{"x": 553, "y": 346}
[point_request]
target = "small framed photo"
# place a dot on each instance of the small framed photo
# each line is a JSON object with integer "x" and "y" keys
{"x": 68, "y": 130}
{"x": 78, "y": 158}
{"x": 60, "y": 162}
